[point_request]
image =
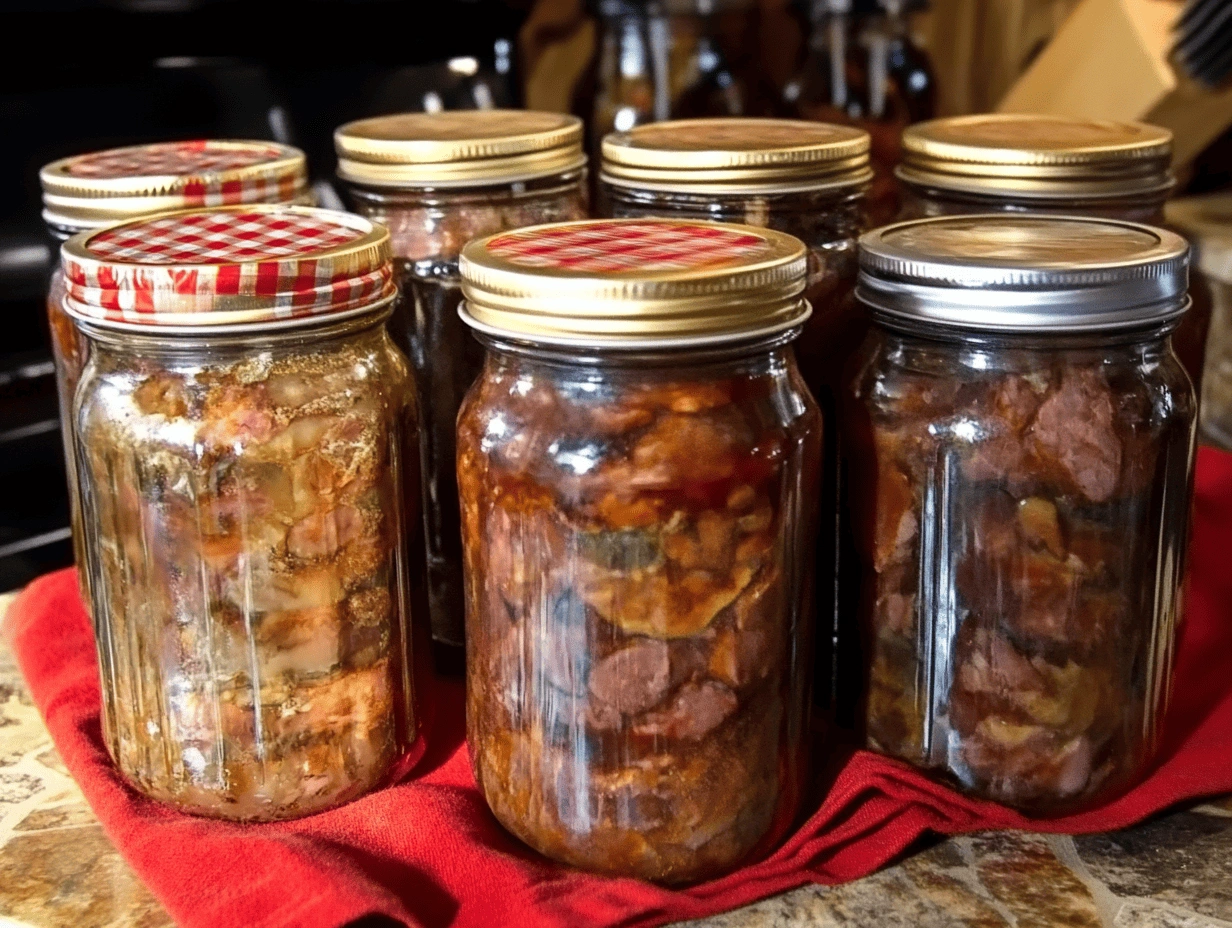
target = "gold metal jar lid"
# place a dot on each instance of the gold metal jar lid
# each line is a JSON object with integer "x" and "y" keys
{"x": 95, "y": 189}
{"x": 458, "y": 148}
{"x": 628, "y": 283}
{"x": 737, "y": 155}
{"x": 1045, "y": 157}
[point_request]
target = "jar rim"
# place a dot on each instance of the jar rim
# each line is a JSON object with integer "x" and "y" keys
{"x": 352, "y": 320}
{"x": 588, "y": 354}
{"x": 432, "y": 194}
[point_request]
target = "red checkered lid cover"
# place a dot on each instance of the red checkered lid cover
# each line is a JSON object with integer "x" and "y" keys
{"x": 86, "y": 191}
{"x": 245, "y": 265}
{"x": 625, "y": 281}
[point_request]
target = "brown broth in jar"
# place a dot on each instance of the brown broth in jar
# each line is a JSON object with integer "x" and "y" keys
{"x": 631, "y": 558}
{"x": 1023, "y": 513}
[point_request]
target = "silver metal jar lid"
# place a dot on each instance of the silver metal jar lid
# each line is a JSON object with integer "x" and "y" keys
{"x": 1023, "y": 273}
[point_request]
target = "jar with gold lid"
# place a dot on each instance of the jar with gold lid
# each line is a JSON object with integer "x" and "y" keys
{"x": 807, "y": 179}
{"x": 246, "y": 431}
{"x": 1010, "y": 162}
{"x": 638, "y": 465}
{"x": 437, "y": 180}
{"x": 92, "y": 190}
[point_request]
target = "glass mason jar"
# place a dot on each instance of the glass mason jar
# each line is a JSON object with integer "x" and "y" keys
{"x": 638, "y": 464}
{"x": 243, "y": 452}
{"x": 1028, "y": 434}
{"x": 92, "y": 190}
{"x": 438, "y": 180}
{"x": 806, "y": 179}
{"x": 1007, "y": 162}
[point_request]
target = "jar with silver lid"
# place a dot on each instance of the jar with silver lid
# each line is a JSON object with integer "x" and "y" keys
{"x": 438, "y": 180}
{"x": 1028, "y": 437}
{"x": 89, "y": 191}
{"x": 246, "y": 431}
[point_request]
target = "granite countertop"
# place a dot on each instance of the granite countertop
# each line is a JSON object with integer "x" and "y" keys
{"x": 57, "y": 868}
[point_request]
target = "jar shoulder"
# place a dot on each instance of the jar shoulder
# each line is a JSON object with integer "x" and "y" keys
{"x": 609, "y": 415}
{"x": 817, "y": 219}
{"x": 198, "y": 397}
{"x": 1093, "y": 424}
{"x": 436, "y": 226}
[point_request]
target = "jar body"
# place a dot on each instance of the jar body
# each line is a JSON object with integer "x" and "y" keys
{"x": 1022, "y": 519}
{"x": 69, "y": 352}
{"x": 1189, "y": 339}
{"x": 428, "y": 230}
{"x": 637, "y": 540}
{"x": 246, "y": 537}
{"x": 829, "y": 223}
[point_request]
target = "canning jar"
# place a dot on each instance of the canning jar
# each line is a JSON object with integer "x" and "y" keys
{"x": 809, "y": 180}
{"x": 1028, "y": 438}
{"x": 437, "y": 180}
{"x": 1008, "y": 162}
{"x": 638, "y": 465}
{"x": 89, "y": 191}
{"x": 245, "y": 431}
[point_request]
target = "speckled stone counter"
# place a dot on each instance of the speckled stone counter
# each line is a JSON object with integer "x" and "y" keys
{"x": 57, "y": 868}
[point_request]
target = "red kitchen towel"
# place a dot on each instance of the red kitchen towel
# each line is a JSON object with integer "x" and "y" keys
{"x": 427, "y": 852}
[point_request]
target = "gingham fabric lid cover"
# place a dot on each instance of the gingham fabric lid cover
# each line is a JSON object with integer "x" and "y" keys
{"x": 86, "y": 191}
{"x": 245, "y": 265}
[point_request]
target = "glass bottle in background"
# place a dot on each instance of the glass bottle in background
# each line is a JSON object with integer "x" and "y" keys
{"x": 247, "y": 459}
{"x": 862, "y": 69}
{"x": 703, "y": 83}
{"x": 1012, "y": 162}
{"x": 436, "y": 181}
{"x": 902, "y": 85}
{"x": 825, "y": 87}
{"x": 809, "y": 180}
{"x": 1027, "y": 440}
{"x": 89, "y": 191}
{"x": 631, "y": 85}
{"x": 639, "y": 467}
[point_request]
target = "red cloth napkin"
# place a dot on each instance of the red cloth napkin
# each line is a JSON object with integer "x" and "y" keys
{"x": 427, "y": 851}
